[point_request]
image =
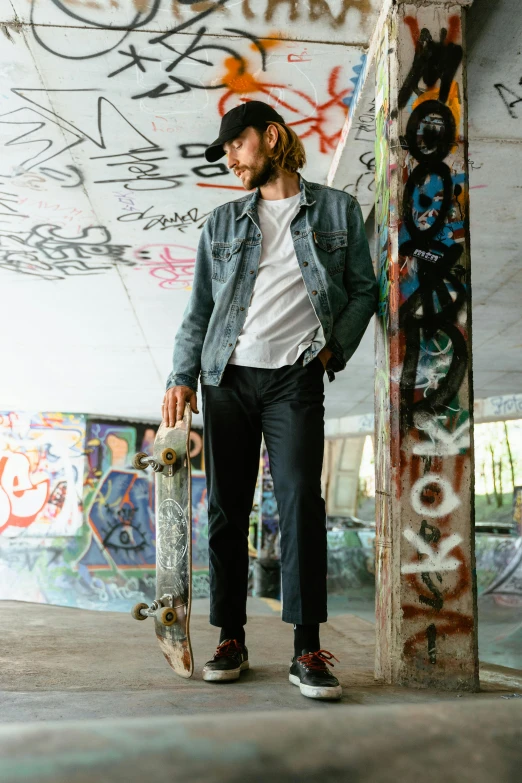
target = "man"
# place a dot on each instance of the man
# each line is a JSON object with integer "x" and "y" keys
{"x": 283, "y": 291}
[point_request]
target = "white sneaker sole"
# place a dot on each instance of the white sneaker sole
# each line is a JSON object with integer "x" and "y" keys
{"x": 315, "y": 692}
{"x": 228, "y": 675}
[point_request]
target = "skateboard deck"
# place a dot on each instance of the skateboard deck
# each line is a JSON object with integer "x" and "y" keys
{"x": 171, "y": 607}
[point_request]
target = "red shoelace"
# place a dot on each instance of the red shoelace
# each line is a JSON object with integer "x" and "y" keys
{"x": 317, "y": 660}
{"x": 226, "y": 648}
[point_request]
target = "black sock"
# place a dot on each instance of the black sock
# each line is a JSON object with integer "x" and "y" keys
{"x": 232, "y": 632}
{"x": 306, "y": 637}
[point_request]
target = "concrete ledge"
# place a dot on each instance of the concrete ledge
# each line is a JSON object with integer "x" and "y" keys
{"x": 428, "y": 742}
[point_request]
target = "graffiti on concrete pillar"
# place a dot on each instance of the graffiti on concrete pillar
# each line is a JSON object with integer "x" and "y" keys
{"x": 432, "y": 215}
{"x": 430, "y": 357}
{"x": 436, "y": 559}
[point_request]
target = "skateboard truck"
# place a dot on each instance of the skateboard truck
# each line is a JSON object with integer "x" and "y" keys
{"x": 163, "y": 608}
{"x": 142, "y": 461}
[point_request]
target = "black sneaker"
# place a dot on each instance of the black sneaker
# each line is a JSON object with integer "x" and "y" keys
{"x": 311, "y": 673}
{"x": 230, "y": 659}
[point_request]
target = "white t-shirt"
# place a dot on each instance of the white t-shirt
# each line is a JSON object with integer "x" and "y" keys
{"x": 281, "y": 321}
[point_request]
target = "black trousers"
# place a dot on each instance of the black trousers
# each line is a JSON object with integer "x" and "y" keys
{"x": 286, "y": 406}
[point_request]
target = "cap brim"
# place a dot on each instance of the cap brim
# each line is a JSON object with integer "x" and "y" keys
{"x": 215, "y": 151}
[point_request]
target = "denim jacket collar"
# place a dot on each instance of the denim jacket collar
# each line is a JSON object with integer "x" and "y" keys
{"x": 306, "y": 199}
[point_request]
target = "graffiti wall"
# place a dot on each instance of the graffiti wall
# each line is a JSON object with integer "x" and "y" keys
{"x": 119, "y": 512}
{"x": 41, "y": 501}
{"x": 77, "y": 521}
{"x": 268, "y": 532}
{"x": 351, "y": 556}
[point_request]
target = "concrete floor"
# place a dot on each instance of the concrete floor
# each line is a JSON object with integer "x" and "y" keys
{"x": 58, "y": 663}
{"x": 87, "y": 696}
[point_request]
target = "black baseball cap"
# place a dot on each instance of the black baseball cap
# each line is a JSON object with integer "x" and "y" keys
{"x": 255, "y": 113}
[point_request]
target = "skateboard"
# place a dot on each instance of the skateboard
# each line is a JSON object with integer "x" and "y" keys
{"x": 171, "y": 608}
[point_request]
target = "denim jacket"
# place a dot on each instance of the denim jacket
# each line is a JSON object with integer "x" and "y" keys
{"x": 333, "y": 255}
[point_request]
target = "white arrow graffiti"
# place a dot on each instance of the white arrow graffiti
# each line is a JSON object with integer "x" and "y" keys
{"x": 436, "y": 560}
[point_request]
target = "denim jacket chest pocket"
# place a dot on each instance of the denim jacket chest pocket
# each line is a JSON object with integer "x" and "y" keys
{"x": 225, "y": 256}
{"x": 331, "y": 247}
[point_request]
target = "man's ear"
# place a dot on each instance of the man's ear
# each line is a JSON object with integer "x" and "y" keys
{"x": 272, "y": 135}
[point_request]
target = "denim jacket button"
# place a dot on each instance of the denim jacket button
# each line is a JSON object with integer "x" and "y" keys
{"x": 251, "y": 271}
{"x": 305, "y": 263}
{"x": 241, "y": 308}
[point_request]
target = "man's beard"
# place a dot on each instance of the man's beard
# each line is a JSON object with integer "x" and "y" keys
{"x": 262, "y": 174}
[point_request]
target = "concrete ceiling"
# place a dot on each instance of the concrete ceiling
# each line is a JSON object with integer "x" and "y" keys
{"x": 103, "y": 187}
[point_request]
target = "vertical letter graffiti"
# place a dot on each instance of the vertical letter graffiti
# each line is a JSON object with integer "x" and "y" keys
{"x": 424, "y": 458}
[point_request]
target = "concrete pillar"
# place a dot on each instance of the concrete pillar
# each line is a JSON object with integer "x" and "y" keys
{"x": 426, "y": 590}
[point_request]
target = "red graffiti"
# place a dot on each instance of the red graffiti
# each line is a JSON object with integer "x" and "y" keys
{"x": 20, "y": 499}
{"x": 447, "y": 624}
{"x": 299, "y": 58}
{"x": 413, "y": 24}
{"x": 453, "y": 35}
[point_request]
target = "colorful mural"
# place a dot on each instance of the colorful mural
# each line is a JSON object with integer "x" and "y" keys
{"x": 41, "y": 500}
{"x": 76, "y": 520}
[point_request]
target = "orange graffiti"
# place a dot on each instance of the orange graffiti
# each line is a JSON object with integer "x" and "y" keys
{"x": 119, "y": 448}
{"x": 307, "y": 116}
{"x": 453, "y": 102}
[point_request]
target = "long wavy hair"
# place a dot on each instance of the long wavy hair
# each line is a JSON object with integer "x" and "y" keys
{"x": 289, "y": 153}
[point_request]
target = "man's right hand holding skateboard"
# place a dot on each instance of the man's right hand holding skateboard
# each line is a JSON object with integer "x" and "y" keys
{"x": 174, "y": 401}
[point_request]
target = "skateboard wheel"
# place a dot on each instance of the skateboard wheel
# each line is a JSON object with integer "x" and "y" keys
{"x": 168, "y": 456}
{"x": 138, "y": 460}
{"x": 136, "y": 611}
{"x": 168, "y": 616}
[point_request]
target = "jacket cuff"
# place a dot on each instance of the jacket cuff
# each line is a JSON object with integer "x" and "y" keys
{"x": 336, "y": 362}
{"x": 180, "y": 379}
